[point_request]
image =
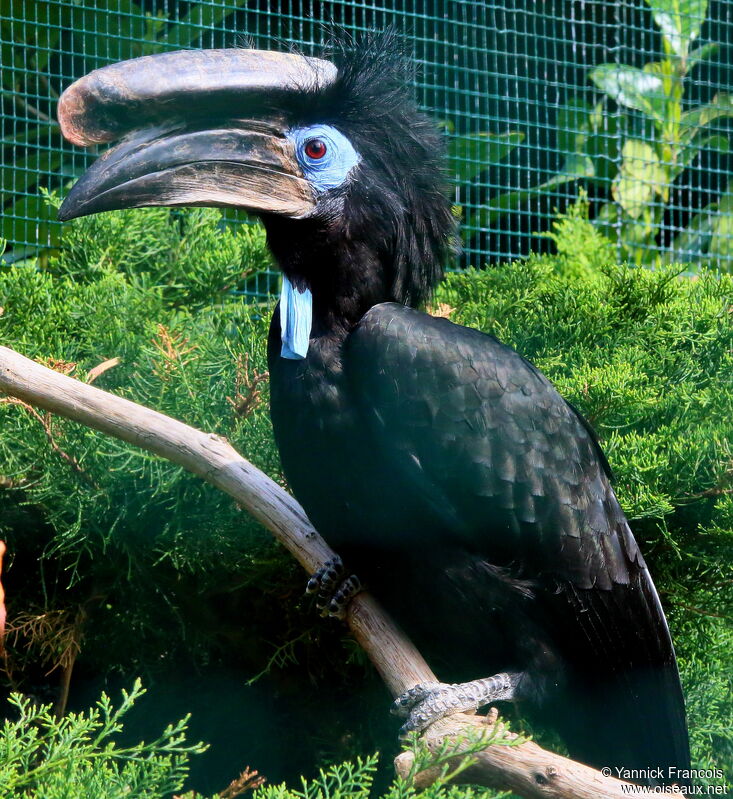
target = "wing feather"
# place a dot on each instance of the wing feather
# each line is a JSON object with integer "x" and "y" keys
{"x": 520, "y": 479}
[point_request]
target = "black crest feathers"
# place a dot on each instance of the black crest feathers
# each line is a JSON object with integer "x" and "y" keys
{"x": 399, "y": 198}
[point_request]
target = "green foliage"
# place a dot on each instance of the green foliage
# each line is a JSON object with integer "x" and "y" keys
{"x": 192, "y": 257}
{"x": 345, "y": 781}
{"x": 582, "y": 250}
{"x": 147, "y": 555}
{"x": 77, "y": 756}
{"x": 450, "y": 759}
{"x": 355, "y": 780}
{"x": 149, "y": 570}
{"x": 637, "y": 158}
{"x": 471, "y": 155}
{"x": 150, "y": 289}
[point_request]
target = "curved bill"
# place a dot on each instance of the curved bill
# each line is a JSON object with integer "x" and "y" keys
{"x": 199, "y": 127}
{"x": 235, "y": 167}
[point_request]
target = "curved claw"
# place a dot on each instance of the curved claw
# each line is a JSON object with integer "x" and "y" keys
{"x": 327, "y": 578}
{"x": 406, "y": 701}
{"x": 333, "y": 589}
{"x": 348, "y": 589}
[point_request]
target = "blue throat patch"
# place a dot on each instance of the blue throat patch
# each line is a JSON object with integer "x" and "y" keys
{"x": 296, "y": 318}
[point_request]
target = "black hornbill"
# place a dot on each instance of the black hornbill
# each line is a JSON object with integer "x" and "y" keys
{"x": 472, "y": 499}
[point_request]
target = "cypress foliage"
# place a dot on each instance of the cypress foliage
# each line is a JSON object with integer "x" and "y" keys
{"x": 146, "y": 565}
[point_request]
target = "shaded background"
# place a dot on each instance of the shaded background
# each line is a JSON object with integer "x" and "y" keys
{"x": 506, "y": 69}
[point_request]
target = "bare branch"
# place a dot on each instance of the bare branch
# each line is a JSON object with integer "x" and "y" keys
{"x": 525, "y": 768}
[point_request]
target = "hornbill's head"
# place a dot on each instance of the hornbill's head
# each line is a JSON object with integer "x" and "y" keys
{"x": 334, "y": 156}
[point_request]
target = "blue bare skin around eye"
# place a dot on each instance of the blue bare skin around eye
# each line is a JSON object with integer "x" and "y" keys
{"x": 332, "y": 170}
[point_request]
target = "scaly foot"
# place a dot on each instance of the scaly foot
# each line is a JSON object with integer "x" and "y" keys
{"x": 428, "y": 702}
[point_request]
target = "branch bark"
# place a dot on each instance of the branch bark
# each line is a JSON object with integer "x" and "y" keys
{"x": 527, "y": 769}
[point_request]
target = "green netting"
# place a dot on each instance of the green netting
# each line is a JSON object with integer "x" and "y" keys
{"x": 539, "y": 100}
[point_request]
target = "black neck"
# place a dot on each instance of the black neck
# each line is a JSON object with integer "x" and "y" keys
{"x": 345, "y": 276}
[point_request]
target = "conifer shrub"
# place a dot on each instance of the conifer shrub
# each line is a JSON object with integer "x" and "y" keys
{"x": 103, "y": 512}
{"x": 78, "y": 757}
{"x": 122, "y": 563}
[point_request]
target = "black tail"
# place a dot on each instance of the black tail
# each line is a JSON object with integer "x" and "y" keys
{"x": 624, "y": 706}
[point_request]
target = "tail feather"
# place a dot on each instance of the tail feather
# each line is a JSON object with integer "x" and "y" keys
{"x": 625, "y": 709}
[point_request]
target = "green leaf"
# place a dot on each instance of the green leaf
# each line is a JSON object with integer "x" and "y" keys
{"x": 469, "y": 156}
{"x": 604, "y": 145}
{"x": 702, "y": 53}
{"x": 692, "y": 150}
{"x": 679, "y": 21}
{"x": 28, "y": 221}
{"x": 32, "y": 134}
{"x": 575, "y": 167}
{"x": 97, "y": 32}
{"x": 691, "y": 122}
{"x": 634, "y": 88}
{"x": 502, "y": 204}
{"x": 641, "y": 176}
{"x": 20, "y": 175}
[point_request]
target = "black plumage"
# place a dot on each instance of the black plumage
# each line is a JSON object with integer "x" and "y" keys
{"x": 447, "y": 471}
{"x": 442, "y": 466}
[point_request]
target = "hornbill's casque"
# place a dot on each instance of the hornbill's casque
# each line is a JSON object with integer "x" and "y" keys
{"x": 447, "y": 471}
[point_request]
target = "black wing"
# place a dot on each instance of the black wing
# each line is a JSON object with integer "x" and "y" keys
{"x": 519, "y": 477}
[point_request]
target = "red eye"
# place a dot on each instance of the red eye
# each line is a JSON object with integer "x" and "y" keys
{"x": 315, "y": 148}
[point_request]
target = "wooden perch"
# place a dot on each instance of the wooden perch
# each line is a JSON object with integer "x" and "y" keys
{"x": 526, "y": 769}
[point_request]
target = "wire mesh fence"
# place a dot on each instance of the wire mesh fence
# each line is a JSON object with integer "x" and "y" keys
{"x": 624, "y": 102}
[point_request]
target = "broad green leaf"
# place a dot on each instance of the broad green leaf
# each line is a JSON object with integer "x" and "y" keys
{"x": 633, "y": 88}
{"x": 17, "y": 177}
{"x": 679, "y": 21}
{"x": 469, "y": 156}
{"x": 672, "y": 91}
{"x": 719, "y": 143}
{"x": 702, "y": 53}
{"x": 502, "y": 204}
{"x": 691, "y": 122}
{"x": 29, "y": 221}
{"x": 96, "y": 32}
{"x": 50, "y": 18}
{"x": 638, "y": 242}
{"x": 30, "y": 43}
{"x": 608, "y": 220}
{"x": 604, "y": 145}
{"x": 575, "y": 166}
{"x": 32, "y": 134}
{"x": 641, "y": 176}
{"x": 691, "y": 151}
